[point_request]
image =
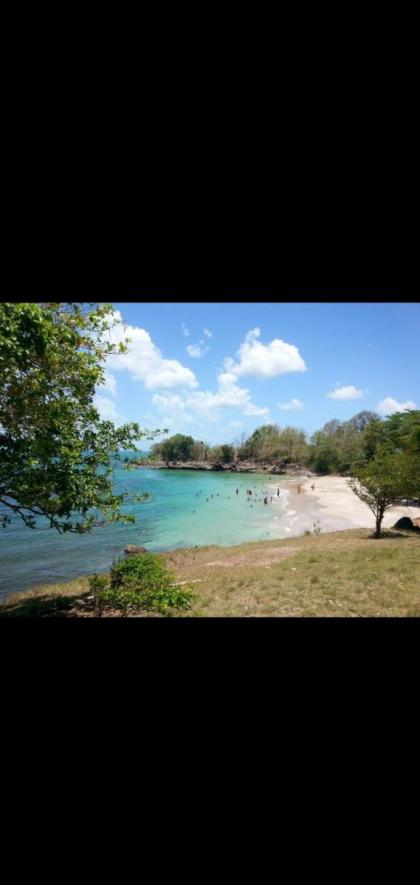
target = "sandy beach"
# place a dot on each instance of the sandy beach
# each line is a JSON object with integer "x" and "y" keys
{"x": 333, "y": 505}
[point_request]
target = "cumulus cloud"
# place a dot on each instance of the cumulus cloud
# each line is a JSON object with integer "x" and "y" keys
{"x": 250, "y": 409}
{"x": 144, "y": 361}
{"x": 173, "y": 407}
{"x": 349, "y": 392}
{"x": 195, "y": 350}
{"x": 185, "y": 331}
{"x": 265, "y": 360}
{"x": 294, "y": 404}
{"x": 389, "y": 405}
{"x": 205, "y": 403}
{"x": 207, "y": 333}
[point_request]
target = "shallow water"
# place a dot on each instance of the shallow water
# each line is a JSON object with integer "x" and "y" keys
{"x": 187, "y": 508}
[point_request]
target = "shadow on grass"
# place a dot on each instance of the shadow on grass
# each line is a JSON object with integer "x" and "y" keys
{"x": 388, "y": 535}
{"x": 42, "y": 607}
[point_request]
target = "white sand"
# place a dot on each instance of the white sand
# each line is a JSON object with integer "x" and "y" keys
{"x": 334, "y": 506}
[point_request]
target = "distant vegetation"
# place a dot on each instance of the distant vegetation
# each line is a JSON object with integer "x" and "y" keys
{"x": 343, "y": 447}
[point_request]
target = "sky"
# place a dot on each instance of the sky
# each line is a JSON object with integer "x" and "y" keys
{"x": 216, "y": 370}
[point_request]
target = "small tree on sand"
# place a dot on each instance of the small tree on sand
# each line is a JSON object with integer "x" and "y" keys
{"x": 387, "y": 477}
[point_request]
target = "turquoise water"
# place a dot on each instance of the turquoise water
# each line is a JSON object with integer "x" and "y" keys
{"x": 178, "y": 515}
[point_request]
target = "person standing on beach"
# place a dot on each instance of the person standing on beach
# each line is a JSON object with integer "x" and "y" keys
{"x": 313, "y": 487}
{"x": 299, "y": 490}
{"x": 278, "y": 493}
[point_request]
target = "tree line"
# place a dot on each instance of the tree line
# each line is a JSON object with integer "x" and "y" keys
{"x": 339, "y": 447}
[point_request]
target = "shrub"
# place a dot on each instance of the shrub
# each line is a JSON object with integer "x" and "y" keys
{"x": 97, "y": 583}
{"x": 97, "y": 586}
{"x": 143, "y": 582}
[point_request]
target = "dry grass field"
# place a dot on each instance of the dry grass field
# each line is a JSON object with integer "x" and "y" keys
{"x": 338, "y": 574}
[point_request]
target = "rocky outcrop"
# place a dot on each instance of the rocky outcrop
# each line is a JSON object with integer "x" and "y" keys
{"x": 234, "y": 467}
{"x": 133, "y": 548}
{"x": 406, "y": 523}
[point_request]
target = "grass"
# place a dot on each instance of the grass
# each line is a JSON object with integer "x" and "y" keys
{"x": 334, "y": 575}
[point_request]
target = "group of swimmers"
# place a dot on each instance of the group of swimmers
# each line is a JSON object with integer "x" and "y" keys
{"x": 250, "y": 492}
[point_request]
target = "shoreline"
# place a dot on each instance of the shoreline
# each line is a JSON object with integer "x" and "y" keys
{"x": 334, "y": 506}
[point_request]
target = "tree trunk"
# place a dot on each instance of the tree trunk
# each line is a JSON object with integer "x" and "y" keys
{"x": 379, "y": 518}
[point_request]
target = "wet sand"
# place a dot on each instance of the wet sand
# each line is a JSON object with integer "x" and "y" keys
{"x": 332, "y": 504}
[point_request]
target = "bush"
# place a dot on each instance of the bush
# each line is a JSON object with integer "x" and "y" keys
{"x": 97, "y": 586}
{"x": 143, "y": 582}
{"x": 98, "y": 583}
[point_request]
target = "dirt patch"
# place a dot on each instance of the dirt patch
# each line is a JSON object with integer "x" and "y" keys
{"x": 250, "y": 559}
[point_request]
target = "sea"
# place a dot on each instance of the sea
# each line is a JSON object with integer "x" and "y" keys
{"x": 186, "y": 508}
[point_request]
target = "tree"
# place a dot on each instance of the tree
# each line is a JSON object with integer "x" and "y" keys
{"x": 387, "y": 477}
{"x": 402, "y": 431}
{"x": 373, "y": 438}
{"x": 178, "y": 448}
{"x": 324, "y": 456}
{"x": 331, "y": 427}
{"x": 291, "y": 443}
{"x": 362, "y": 420}
{"x": 227, "y": 453}
{"x": 56, "y": 454}
{"x": 224, "y": 454}
{"x": 263, "y": 444}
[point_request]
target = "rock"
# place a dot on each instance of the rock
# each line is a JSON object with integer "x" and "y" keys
{"x": 133, "y": 548}
{"x": 403, "y": 523}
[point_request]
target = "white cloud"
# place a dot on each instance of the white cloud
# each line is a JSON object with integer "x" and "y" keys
{"x": 349, "y": 392}
{"x": 250, "y": 409}
{"x": 294, "y": 404}
{"x": 265, "y": 360}
{"x": 145, "y": 362}
{"x": 206, "y": 403}
{"x": 207, "y": 333}
{"x": 173, "y": 406}
{"x": 107, "y": 409}
{"x": 185, "y": 331}
{"x": 195, "y": 350}
{"x": 389, "y": 405}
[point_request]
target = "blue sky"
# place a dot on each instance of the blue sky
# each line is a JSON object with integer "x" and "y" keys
{"x": 214, "y": 370}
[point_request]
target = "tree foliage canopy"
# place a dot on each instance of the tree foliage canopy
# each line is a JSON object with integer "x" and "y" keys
{"x": 177, "y": 448}
{"x": 56, "y": 454}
